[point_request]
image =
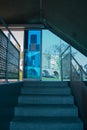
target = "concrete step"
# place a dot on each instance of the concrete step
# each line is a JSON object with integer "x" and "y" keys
{"x": 45, "y": 84}
{"x": 60, "y": 91}
{"x": 46, "y": 110}
{"x": 46, "y": 123}
{"x": 46, "y": 106}
{"x": 45, "y": 99}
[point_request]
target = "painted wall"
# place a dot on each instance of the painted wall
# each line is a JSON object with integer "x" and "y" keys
{"x": 8, "y": 99}
{"x": 79, "y": 90}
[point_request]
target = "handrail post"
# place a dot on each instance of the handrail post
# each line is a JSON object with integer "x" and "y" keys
{"x": 61, "y": 68}
{"x": 19, "y": 67}
{"x": 7, "y": 57}
{"x": 70, "y": 65}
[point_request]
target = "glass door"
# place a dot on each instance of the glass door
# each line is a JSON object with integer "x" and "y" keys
{"x": 51, "y": 70}
{"x": 32, "y": 59}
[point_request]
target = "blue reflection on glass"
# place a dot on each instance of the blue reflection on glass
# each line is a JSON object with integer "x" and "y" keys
{"x": 32, "y": 56}
{"x": 34, "y": 40}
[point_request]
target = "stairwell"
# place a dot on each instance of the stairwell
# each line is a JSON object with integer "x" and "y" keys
{"x": 46, "y": 106}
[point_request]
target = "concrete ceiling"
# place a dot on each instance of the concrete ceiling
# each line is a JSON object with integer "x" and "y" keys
{"x": 67, "y": 18}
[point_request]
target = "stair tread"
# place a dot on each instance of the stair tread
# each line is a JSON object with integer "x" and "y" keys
{"x": 46, "y": 91}
{"x": 45, "y": 99}
{"x": 47, "y": 119}
{"x": 46, "y": 95}
{"x": 45, "y": 87}
{"x": 45, "y": 83}
{"x": 46, "y": 106}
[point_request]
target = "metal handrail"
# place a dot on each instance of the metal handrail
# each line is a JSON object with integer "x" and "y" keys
{"x": 65, "y": 50}
{"x": 74, "y": 68}
{"x": 71, "y": 57}
{"x": 5, "y": 25}
{"x": 78, "y": 65}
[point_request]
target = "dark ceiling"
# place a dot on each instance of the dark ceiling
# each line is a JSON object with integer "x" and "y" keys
{"x": 68, "y": 18}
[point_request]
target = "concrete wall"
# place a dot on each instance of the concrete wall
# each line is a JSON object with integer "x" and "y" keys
{"x": 8, "y": 99}
{"x": 79, "y": 91}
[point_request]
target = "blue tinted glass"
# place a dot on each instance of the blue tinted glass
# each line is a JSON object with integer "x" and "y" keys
{"x": 33, "y": 39}
{"x": 32, "y": 56}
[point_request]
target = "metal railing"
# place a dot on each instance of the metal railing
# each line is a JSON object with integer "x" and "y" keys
{"x": 9, "y": 55}
{"x": 71, "y": 70}
{"x": 78, "y": 72}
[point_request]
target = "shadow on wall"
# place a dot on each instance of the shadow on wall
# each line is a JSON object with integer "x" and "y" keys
{"x": 79, "y": 90}
{"x": 8, "y": 99}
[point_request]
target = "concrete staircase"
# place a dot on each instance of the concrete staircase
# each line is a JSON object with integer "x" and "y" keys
{"x": 46, "y": 106}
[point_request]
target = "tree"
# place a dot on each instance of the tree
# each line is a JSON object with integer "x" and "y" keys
{"x": 59, "y": 49}
{"x": 48, "y": 57}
